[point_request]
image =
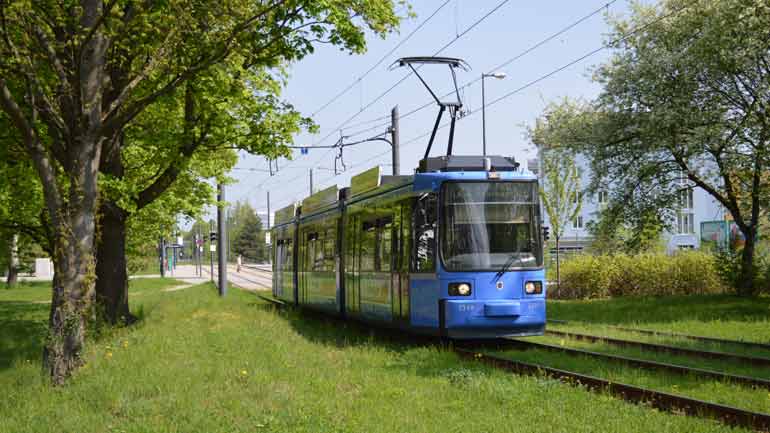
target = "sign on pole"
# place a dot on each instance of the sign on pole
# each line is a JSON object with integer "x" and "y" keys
{"x": 212, "y": 248}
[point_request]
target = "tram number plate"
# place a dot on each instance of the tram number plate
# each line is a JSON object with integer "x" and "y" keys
{"x": 466, "y": 307}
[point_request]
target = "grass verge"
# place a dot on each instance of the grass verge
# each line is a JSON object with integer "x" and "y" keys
{"x": 198, "y": 363}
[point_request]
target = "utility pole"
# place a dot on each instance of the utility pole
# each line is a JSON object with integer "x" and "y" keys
{"x": 499, "y": 76}
{"x": 269, "y": 245}
{"x": 394, "y": 141}
{"x": 222, "y": 240}
{"x": 212, "y": 248}
{"x": 311, "y": 181}
{"x": 162, "y": 256}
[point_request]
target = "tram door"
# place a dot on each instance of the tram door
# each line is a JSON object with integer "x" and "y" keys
{"x": 400, "y": 230}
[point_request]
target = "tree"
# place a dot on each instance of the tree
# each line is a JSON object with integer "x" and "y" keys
{"x": 75, "y": 74}
{"x": 560, "y": 193}
{"x": 684, "y": 103}
{"x": 249, "y": 238}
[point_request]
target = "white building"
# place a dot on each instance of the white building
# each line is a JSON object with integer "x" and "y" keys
{"x": 697, "y": 207}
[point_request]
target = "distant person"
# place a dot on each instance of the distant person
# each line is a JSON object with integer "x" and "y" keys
{"x": 239, "y": 262}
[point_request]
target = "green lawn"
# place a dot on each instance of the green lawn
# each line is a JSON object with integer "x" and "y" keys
{"x": 719, "y": 316}
{"x": 198, "y": 363}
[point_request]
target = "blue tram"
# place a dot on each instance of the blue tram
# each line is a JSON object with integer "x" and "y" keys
{"x": 454, "y": 250}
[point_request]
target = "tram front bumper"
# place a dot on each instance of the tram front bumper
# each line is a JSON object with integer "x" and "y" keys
{"x": 471, "y": 318}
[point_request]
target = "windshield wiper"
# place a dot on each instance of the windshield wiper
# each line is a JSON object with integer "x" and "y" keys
{"x": 507, "y": 265}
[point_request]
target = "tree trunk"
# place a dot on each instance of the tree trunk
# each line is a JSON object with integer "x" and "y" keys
{"x": 747, "y": 281}
{"x": 13, "y": 261}
{"x": 111, "y": 273}
{"x": 73, "y": 292}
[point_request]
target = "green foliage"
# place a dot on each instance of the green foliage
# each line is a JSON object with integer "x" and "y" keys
{"x": 729, "y": 268}
{"x": 683, "y": 104}
{"x": 560, "y": 193}
{"x": 649, "y": 274}
{"x": 613, "y": 234}
{"x": 248, "y": 235}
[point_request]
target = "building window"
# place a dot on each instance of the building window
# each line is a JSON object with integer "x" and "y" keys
{"x": 686, "y": 198}
{"x": 602, "y": 197}
{"x": 577, "y": 198}
{"x": 577, "y": 223}
{"x": 685, "y": 223}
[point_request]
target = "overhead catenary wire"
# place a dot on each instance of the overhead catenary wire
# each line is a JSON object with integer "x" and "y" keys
{"x": 523, "y": 53}
{"x": 407, "y": 75}
{"x": 379, "y": 62}
{"x": 531, "y": 83}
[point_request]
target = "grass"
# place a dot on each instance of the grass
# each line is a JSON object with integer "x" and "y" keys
{"x": 198, "y": 363}
{"x": 718, "y": 316}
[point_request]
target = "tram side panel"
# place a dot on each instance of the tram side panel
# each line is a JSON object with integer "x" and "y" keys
{"x": 317, "y": 269}
{"x": 423, "y": 280}
{"x": 374, "y": 270}
{"x": 283, "y": 263}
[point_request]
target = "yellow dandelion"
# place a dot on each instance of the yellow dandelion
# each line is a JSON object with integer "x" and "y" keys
{"x": 244, "y": 372}
{"x": 125, "y": 344}
{"x": 108, "y": 354}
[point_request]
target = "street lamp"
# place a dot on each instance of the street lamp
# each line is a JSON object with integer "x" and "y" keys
{"x": 499, "y": 76}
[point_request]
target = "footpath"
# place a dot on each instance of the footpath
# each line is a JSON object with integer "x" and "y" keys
{"x": 251, "y": 277}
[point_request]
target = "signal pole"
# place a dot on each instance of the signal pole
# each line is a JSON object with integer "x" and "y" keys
{"x": 222, "y": 241}
{"x": 394, "y": 141}
{"x": 270, "y": 245}
{"x": 162, "y": 256}
{"x": 212, "y": 238}
{"x": 311, "y": 181}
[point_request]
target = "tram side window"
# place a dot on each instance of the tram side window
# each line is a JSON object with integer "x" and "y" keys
{"x": 424, "y": 253}
{"x": 385, "y": 244}
{"x": 329, "y": 239}
{"x": 313, "y": 252}
{"x": 368, "y": 245}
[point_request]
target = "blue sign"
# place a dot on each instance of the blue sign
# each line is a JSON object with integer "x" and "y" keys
{"x": 304, "y": 151}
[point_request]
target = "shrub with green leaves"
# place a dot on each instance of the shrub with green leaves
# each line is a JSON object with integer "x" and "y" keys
{"x": 650, "y": 274}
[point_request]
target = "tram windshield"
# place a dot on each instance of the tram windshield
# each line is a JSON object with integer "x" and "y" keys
{"x": 488, "y": 225}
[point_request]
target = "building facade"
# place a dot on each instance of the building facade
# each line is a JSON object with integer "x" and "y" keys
{"x": 695, "y": 207}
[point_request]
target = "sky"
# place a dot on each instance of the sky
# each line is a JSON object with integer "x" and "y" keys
{"x": 504, "y": 34}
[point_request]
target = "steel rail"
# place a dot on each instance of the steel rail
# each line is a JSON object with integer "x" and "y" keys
{"x": 649, "y": 365}
{"x": 660, "y": 400}
{"x": 663, "y": 348}
{"x": 670, "y": 334}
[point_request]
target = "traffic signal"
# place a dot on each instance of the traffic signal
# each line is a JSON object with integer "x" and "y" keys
{"x": 213, "y": 236}
{"x": 546, "y": 233}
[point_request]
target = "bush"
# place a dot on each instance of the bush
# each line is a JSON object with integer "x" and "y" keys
{"x": 651, "y": 274}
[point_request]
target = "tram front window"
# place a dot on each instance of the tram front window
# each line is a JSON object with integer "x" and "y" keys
{"x": 488, "y": 225}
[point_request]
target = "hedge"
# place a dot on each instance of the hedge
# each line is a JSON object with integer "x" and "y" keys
{"x": 602, "y": 276}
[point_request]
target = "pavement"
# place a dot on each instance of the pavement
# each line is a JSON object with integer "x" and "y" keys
{"x": 251, "y": 277}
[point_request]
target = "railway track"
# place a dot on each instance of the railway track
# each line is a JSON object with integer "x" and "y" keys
{"x": 648, "y": 365}
{"x": 660, "y": 400}
{"x": 756, "y": 361}
{"x": 264, "y": 283}
{"x": 746, "y": 344}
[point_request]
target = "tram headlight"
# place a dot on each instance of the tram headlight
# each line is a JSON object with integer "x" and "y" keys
{"x": 460, "y": 289}
{"x": 533, "y": 287}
